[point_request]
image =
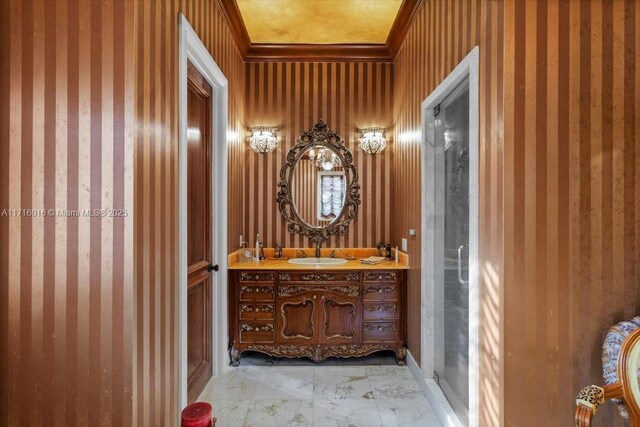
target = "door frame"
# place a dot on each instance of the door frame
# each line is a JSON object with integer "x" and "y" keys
{"x": 468, "y": 67}
{"x": 192, "y": 49}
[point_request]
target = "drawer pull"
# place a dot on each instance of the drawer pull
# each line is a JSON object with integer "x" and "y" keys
{"x": 384, "y": 327}
{"x": 256, "y": 309}
{"x": 257, "y": 328}
{"x": 380, "y": 308}
{"x": 372, "y": 290}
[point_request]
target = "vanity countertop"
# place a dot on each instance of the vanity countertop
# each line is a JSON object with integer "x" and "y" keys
{"x": 272, "y": 263}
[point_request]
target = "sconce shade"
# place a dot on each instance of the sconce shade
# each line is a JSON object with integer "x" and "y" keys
{"x": 263, "y": 139}
{"x": 373, "y": 140}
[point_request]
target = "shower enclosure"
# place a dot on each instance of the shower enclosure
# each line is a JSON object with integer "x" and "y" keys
{"x": 449, "y": 267}
{"x": 452, "y": 289}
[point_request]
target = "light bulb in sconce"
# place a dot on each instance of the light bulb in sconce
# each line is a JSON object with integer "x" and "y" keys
{"x": 263, "y": 139}
{"x": 373, "y": 140}
{"x": 312, "y": 154}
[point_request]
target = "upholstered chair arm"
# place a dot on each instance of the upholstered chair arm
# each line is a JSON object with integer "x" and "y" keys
{"x": 587, "y": 403}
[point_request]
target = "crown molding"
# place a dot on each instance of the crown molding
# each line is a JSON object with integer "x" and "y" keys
{"x": 293, "y": 52}
{"x": 231, "y": 14}
{"x": 401, "y": 25}
{"x": 264, "y": 52}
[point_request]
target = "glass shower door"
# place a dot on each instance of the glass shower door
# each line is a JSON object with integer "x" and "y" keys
{"x": 452, "y": 287}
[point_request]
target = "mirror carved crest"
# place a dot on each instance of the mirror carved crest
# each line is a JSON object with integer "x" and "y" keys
{"x": 318, "y": 140}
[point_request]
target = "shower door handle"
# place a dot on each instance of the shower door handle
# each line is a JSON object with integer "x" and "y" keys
{"x": 460, "y": 279}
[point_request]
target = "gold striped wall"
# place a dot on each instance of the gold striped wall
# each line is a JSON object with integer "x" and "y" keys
{"x": 293, "y": 97}
{"x": 66, "y": 289}
{"x": 88, "y": 333}
{"x": 441, "y": 35}
{"x": 156, "y": 179}
{"x": 559, "y": 188}
{"x": 571, "y": 197}
{"x": 304, "y": 190}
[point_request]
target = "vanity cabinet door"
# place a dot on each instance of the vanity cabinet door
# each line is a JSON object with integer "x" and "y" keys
{"x": 296, "y": 318}
{"x": 339, "y": 319}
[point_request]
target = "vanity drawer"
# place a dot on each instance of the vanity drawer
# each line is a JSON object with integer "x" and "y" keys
{"x": 380, "y": 276}
{"x": 257, "y": 292}
{"x": 313, "y": 277}
{"x": 257, "y": 276}
{"x": 380, "y": 332}
{"x": 380, "y": 291}
{"x": 380, "y": 310}
{"x": 256, "y": 311}
{"x": 256, "y": 332}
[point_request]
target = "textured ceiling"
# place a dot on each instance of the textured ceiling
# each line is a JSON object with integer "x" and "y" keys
{"x": 318, "y": 21}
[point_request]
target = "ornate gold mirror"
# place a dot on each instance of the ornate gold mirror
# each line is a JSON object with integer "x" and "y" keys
{"x": 318, "y": 189}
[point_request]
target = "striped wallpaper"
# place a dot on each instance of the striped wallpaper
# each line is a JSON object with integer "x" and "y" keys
{"x": 559, "y": 188}
{"x": 156, "y": 161}
{"x": 442, "y": 34}
{"x": 66, "y": 294}
{"x": 88, "y": 329}
{"x": 571, "y": 168}
{"x": 89, "y": 120}
{"x": 293, "y": 97}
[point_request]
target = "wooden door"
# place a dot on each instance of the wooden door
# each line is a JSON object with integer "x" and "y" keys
{"x": 199, "y": 236}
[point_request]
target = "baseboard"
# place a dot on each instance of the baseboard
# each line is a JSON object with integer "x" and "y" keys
{"x": 434, "y": 395}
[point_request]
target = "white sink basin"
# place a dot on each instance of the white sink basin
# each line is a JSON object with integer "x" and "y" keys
{"x": 317, "y": 261}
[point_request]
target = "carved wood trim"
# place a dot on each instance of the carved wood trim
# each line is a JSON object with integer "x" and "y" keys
{"x": 283, "y": 313}
{"x": 267, "y": 327}
{"x": 319, "y": 352}
{"x": 380, "y": 308}
{"x": 257, "y": 277}
{"x": 289, "y": 290}
{"x": 326, "y": 317}
{"x": 319, "y": 136}
{"x": 256, "y": 308}
{"x": 382, "y": 327}
{"x": 374, "y": 290}
{"x": 256, "y": 289}
{"x": 352, "y": 277}
{"x": 378, "y": 275}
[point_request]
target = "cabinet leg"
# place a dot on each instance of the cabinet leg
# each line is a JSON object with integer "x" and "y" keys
{"x": 235, "y": 355}
{"x": 401, "y": 355}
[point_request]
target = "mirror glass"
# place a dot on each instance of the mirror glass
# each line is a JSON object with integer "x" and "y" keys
{"x": 318, "y": 186}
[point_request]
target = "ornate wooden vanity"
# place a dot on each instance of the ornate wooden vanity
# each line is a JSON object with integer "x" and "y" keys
{"x": 318, "y": 313}
{"x": 288, "y": 309}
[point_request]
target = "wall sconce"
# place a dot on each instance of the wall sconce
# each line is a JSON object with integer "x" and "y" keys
{"x": 373, "y": 140}
{"x": 263, "y": 139}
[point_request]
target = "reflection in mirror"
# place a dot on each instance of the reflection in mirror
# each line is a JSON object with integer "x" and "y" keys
{"x": 318, "y": 186}
{"x": 318, "y": 191}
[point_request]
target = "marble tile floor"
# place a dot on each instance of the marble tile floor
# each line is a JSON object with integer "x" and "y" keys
{"x": 303, "y": 393}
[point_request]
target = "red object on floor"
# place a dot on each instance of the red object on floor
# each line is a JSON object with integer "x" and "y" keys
{"x": 197, "y": 415}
